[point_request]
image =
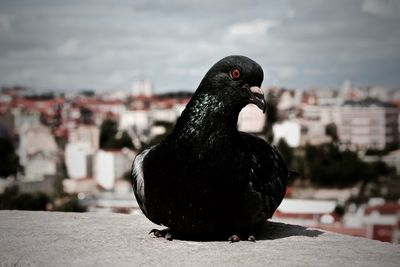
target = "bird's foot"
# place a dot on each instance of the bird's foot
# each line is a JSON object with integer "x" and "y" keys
{"x": 165, "y": 233}
{"x": 237, "y": 238}
{"x": 234, "y": 238}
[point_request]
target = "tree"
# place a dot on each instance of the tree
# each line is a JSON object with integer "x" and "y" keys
{"x": 326, "y": 165}
{"x": 331, "y": 130}
{"x": 9, "y": 161}
{"x": 272, "y": 114}
{"x": 110, "y": 138}
{"x": 290, "y": 158}
{"x": 71, "y": 205}
{"x": 86, "y": 115}
{"x": 286, "y": 151}
{"x": 108, "y": 130}
{"x": 12, "y": 199}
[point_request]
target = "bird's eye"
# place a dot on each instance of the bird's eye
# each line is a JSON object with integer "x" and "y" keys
{"x": 234, "y": 73}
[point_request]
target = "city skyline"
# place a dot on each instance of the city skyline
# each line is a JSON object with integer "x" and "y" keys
{"x": 112, "y": 44}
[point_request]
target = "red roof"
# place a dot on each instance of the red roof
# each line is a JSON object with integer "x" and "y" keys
{"x": 307, "y": 216}
{"x": 396, "y": 103}
{"x": 385, "y": 209}
{"x": 98, "y": 101}
{"x": 37, "y": 105}
{"x": 362, "y": 231}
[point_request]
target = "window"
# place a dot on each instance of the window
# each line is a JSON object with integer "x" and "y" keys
{"x": 360, "y": 121}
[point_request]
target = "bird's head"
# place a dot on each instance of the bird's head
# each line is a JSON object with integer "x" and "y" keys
{"x": 235, "y": 79}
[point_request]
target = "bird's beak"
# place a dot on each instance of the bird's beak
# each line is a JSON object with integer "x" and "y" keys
{"x": 257, "y": 97}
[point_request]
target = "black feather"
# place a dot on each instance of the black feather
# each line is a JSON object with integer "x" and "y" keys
{"x": 207, "y": 178}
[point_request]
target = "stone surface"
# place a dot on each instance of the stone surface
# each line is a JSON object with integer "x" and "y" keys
{"x": 92, "y": 239}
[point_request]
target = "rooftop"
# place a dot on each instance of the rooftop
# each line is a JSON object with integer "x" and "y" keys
{"x": 95, "y": 239}
{"x": 369, "y": 102}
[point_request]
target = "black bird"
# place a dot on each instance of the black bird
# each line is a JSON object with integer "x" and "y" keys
{"x": 207, "y": 180}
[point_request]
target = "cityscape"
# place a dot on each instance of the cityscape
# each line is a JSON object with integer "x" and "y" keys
{"x": 85, "y": 86}
{"x": 63, "y": 151}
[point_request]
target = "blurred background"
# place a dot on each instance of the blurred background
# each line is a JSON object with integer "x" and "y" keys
{"x": 86, "y": 85}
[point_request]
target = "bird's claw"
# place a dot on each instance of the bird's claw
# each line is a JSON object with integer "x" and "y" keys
{"x": 251, "y": 238}
{"x": 156, "y": 232}
{"x": 236, "y": 238}
{"x": 168, "y": 236}
{"x": 162, "y": 233}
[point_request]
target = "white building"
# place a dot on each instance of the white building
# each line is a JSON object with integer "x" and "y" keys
{"x": 38, "y": 152}
{"x": 78, "y": 160}
{"x": 40, "y": 165}
{"x": 290, "y": 131}
{"x": 24, "y": 119}
{"x": 306, "y": 211}
{"x": 88, "y": 134}
{"x": 144, "y": 88}
{"x": 325, "y": 114}
{"x": 381, "y": 219}
{"x": 83, "y": 143}
{"x": 138, "y": 125}
{"x": 328, "y": 97}
{"x": 111, "y": 165}
{"x": 287, "y": 101}
{"x": 138, "y": 119}
{"x": 369, "y": 124}
{"x": 379, "y": 92}
{"x": 79, "y": 186}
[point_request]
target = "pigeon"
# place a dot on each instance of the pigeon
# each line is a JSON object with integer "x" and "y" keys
{"x": 207, "y": 180}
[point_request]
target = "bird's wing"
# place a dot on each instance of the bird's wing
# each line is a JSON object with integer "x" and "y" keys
{"x": 138, "y": 179}
{"x": 268, "y": 171}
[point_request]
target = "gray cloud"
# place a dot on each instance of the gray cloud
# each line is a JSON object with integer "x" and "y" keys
{"x": 110, "y": 44}
{"x": 385, "y": 8}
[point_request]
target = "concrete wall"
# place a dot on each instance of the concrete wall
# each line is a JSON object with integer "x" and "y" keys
{"x": 93, "y": 239}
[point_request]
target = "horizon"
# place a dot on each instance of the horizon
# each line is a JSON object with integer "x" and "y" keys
{"x": 45, "y": 91}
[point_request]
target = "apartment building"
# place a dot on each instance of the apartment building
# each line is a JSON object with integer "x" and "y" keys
{"x": 369, "y": 124}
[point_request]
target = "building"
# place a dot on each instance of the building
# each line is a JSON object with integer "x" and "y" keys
{"x": 325, "y": 114}
{"x": 79, "y": 186}
{"x": 290, "y": 131}
{"x": 348, "y": 92}
{"x": 38, "y": 152}
{"x": 308, "y": 212}
{"x": 369, "y": 124}
{"x": 383, "y": 222}
{"x": 379, "y": 92}
{"x": 99, "y": 107}
{"x": 83, "y": 143}
{"x": 110, "y": 165}
{"x": 78, "y": 160}
{"x": 138, "y": 119}
{"x": 289, "y": 99}
{"x": 137, "y": 123}
{"x": 24, "y": 118}
{"x": 88, "y": 134}
{"x": 143, "y": 87}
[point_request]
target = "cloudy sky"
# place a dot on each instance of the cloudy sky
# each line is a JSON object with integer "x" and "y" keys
{"x": 109, "y": 44}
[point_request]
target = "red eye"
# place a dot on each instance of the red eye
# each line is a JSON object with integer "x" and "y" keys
{"x": 235, "y": 73}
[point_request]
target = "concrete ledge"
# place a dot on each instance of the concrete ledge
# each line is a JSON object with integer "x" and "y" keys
{"x": 92, "y": 239}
